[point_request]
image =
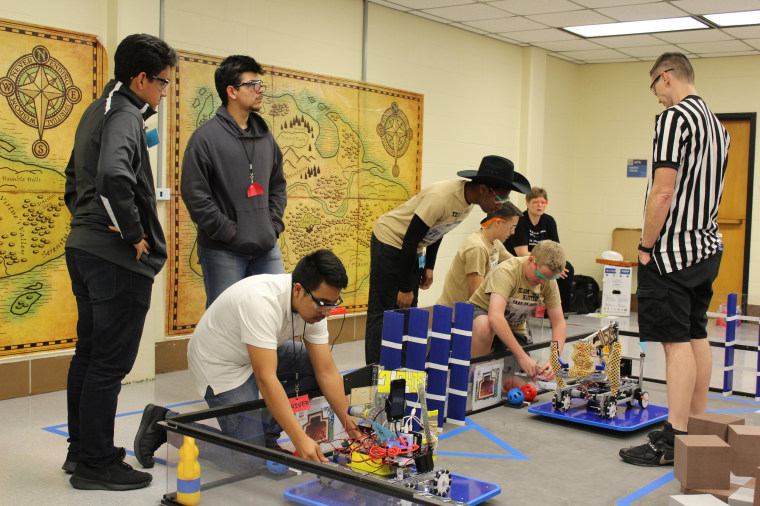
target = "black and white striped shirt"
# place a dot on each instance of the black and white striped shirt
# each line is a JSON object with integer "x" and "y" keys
{"x": 688, "y": 137}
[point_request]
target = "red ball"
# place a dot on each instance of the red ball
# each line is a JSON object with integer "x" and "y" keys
{"x": 509, "y": 385}
{"x": 529, "y": 391}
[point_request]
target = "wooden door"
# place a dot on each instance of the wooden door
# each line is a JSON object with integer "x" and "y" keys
{"x": 732, "y": 214}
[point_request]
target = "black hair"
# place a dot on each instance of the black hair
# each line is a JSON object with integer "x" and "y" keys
{"x": 230, "y": 70}
{"x": 142, "y": 53}
{"x": 318, "y": 266}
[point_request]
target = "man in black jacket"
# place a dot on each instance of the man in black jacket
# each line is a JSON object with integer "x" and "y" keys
{"x": 233, "y": 184}
{"x": 115, "y": 248}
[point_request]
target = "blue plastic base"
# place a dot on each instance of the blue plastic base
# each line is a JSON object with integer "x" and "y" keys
{"x": 626, "y": 420}
{"x": 463, "y": 489}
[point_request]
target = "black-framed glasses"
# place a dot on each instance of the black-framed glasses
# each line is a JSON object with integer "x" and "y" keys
{"x": 322, "y": 305}
{"x": 163, "y": 83}
{"x": 256, "y": 85}
{"x": 651, "y": 86}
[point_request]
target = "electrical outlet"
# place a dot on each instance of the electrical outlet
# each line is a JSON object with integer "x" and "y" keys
{"x": 163, "y": 193}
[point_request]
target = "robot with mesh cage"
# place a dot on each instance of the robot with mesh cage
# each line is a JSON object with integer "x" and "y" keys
{"x": 596, "y": 375}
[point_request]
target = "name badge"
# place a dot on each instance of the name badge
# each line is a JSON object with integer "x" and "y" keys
{"x": 300, "y": 403}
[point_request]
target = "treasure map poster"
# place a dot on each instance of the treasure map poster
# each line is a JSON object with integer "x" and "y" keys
{"x": 47, "y": 79}
{"x": 351, "y": 152}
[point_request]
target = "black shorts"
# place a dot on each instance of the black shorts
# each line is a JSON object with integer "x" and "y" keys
{"x": 673, "y": 306}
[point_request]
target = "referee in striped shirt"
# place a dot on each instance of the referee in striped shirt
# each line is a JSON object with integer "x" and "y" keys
{"x": 680, "y": 249}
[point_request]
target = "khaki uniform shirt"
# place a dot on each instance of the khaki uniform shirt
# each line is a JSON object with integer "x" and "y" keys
{"x": 441, "y": 206}
{"x": 508, "y": 280}
{"x": 476, "y": 255}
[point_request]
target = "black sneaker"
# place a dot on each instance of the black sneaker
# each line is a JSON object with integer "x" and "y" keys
{"x": 150, "y": 436}
{"x": 657, "y": 452}
{"x": 73, "y": 458}
{"x": 117, "y": 475}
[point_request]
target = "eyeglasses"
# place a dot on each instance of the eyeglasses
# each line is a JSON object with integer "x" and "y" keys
{"x": 162, "y": 83}
{"x": 322, "y": 305}
{"x": 651, "y": 86}
{"x": 539, "y": 202}
{"x": 538, "y": 273}
{"x": 498, "y": 199}
{"x": 256, "y": 85}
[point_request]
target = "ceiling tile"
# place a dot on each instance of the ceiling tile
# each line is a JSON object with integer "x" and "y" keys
{"x": 522, "y": 8}
{"x": 567, "y": 45}
{"x": 544, "y": 35}
{"x": 423, "y": 14}
{"x": 721, "y": 46}
{"x": 693, "y": 36}
{"x": 390, "y": 4}
{"x": 565, "y": 57}
{"x": 571, "y": 18}
{"x": 643, "y": 11}
{"x": 713, "y": 7}
{"x": 627, "y": 41}
{"x": 727, "y": 55}
{"x": 430, "y": 4}
{"x": 506, "y": 39}
{"x": 753, "y": 42}
{"x": 468, "y": 12}
{"x": 468, "y": 28}
{"x": 596, "y": 4}
{"x": 617, "y": 60}
{"x": 651, "y": 51}
{"x": 744, "y": 32}
{"x": 595, "y": 54}
{"x": 510, "y": 24}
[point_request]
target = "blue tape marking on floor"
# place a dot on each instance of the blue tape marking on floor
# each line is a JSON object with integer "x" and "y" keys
{"x": 54, "y": 429}
{"x": 512, "y": 453}
{"x": 747, "y": 401}
{"x": 478, "y": 455}
{"x": 502, "y": 444}
{"x": 454, "y": 432}
{"x": 751, "y": 410}
{"x": 659, "y": 482}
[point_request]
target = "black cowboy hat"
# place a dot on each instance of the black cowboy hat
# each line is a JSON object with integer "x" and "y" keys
{"x": 497, "y": 172}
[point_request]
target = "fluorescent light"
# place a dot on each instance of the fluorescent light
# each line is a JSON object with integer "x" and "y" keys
{"x": 734, "y": 18}
{"x": 633, "y": 27}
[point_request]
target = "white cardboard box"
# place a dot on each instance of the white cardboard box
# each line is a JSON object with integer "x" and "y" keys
{"x": 616, "y": 290}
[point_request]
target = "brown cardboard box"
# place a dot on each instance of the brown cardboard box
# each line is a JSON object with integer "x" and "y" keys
{"x": 702, "y": 461}
{"x": 626, "y": 242}
{"x": 745, "y": 449}
{"x": 720, "y": 494}
{"x": 756, "y": 500}
{"x": 712, "y": 423}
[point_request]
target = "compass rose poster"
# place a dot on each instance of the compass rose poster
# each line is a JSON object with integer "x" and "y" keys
{"x": 351, "y": 152}
{"x": 47, "y": 79}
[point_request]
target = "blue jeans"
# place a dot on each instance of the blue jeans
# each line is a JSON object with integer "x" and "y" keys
{"x": 222, "y": 268}
{"x": 111, "y": 306}
{"x": 257, "y": 426}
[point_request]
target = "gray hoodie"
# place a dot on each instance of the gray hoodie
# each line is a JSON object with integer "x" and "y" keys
{"x": 215, "y": 180}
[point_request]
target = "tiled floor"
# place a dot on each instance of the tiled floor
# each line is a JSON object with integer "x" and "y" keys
{"x": 534, "y": 460}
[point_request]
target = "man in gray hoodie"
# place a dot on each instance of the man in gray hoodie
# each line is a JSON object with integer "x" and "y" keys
{"x": 232, "y": 183}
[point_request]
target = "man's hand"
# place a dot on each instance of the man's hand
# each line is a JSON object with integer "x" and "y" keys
{"x": 141, "y": 247}
{"x": 309, "y": 450}
{"x": 528, "y": 365}
{"x": 404, "y": 299}
{"x": 427, "y": 278}
{"x": 546, "y": 371}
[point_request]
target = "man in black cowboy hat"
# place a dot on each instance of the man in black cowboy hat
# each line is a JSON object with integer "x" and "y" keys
{"x": 397, "y": 266}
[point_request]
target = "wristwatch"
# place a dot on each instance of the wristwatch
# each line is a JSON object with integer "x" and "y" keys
{"x": 645, "y": 249}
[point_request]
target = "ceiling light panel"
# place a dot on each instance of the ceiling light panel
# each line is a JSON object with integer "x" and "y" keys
{"x": 634, "y": 27}
{"x": 734, "y": 18}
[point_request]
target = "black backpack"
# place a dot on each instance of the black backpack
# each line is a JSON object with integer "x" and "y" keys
{"x": 584, "y": 296}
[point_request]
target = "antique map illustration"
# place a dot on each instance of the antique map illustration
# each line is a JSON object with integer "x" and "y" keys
{"x": 351, "y": 152}
{"x": 47, "y": 79}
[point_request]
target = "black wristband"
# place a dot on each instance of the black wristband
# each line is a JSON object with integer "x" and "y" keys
{"x": 645, "y": 249}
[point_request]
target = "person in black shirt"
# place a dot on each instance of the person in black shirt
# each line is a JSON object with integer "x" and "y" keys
{"x": 536, "y": 226}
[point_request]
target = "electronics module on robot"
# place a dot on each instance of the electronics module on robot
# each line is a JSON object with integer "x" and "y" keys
{"x": 604, "y": 384}
{"x": 397, "y": 440}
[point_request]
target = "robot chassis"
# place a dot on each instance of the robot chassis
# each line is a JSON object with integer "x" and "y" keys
{"x": 389, "y": 429}
{"x": 602, "y": 386}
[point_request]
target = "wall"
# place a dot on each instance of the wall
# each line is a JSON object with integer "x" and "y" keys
{"x": 569, "y": 128}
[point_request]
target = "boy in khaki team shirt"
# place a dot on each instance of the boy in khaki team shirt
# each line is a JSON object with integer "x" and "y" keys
{"x": 479, "y": 253}
{"x": 398, "y": 267}
{"x": 509, "y": 294}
